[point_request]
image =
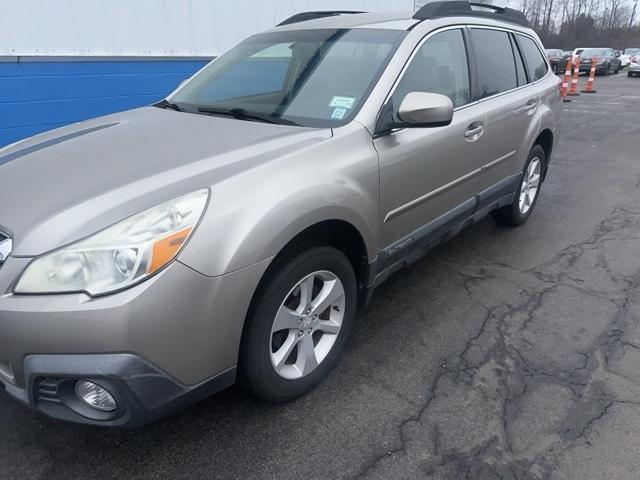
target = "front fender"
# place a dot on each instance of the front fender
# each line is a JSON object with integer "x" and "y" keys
{"x": 253, "y": 215}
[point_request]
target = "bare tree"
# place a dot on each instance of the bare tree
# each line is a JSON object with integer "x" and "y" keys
{"x": 566, "y": 23}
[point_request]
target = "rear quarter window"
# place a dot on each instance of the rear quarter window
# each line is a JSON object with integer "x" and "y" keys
{"x": 522, "y": 76}
{"x": 533, "y": 58}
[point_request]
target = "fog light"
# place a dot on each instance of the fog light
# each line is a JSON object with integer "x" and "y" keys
{"x": 95, "y": 396}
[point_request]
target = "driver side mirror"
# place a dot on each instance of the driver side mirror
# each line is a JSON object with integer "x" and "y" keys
{"x": 417, "y": 110}
{"x": 421, "y": 109}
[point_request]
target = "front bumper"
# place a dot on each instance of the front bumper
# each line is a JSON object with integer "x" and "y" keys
{"x": 586, "y": 67}
{"x": 183, "y": 326}
{"x": 142, "y": 392}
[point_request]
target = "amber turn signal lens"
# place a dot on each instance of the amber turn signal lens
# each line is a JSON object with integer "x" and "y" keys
{"x": 166, "y": 249}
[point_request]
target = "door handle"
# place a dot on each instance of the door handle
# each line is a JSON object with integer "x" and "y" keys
{"x": 531, "y": 105}
{"x": 474, "y": 132}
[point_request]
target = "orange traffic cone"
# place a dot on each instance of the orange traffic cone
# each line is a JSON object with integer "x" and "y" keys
{"x": 592, "y": 77}
{"x": 565, "y": 82}
{"x": 574, "y": 82}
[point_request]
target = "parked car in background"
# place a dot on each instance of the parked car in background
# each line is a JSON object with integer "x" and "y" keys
{"x": 576, "y": 52}
{"x": 151, "y": 258}
{"x": 607, "y": 61}
{"x": 557, "y": 59}
{"x": 626, "y": 56}
{"x": 634, "y": 67}
{"x": 625, "y": 60}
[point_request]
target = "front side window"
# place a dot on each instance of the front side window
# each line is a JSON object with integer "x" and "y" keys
{"x": 496, "y": 67}
{"x": 306, "y": 77}
{"x": 536, "y": 63}
{"x": 439, "y": 66}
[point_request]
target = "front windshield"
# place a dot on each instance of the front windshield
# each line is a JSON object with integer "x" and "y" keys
{"x": 314, "y": 78}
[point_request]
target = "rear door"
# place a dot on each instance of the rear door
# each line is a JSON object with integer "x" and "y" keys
{"x": 509, "y": 104}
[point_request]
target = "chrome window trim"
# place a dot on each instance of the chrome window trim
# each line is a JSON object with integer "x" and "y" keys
{"x": 462, "y": 26}
{"x": 516, "y": 33}
{"x": 541, "y": 51}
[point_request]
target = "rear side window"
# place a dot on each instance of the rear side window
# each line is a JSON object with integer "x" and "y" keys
{"x": 536, "y": 63}
{"x": 496, "y": 67}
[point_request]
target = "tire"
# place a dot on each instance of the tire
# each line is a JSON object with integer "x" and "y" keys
{"x": 279, "y": 294}
{"x": 513, "y": 215}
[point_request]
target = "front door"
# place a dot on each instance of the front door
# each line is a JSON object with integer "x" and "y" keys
{"x": 426, "y": 174}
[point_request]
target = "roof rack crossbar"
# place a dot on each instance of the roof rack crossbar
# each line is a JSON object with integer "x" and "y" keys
{"x": 463, "y": 8}
{"x": 306, "y": 16}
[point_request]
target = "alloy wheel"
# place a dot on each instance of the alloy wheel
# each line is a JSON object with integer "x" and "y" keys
{"x": 530, "y": 186}
{"x": 307, "y": 325}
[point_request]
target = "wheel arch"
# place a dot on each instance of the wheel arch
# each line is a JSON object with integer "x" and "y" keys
{"x": 343, "y": 236}
{"x": 545, "y": 139}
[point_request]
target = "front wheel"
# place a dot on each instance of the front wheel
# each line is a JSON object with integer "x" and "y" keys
{"x": 526, "y": 196}
{"x": 298, "y": 323}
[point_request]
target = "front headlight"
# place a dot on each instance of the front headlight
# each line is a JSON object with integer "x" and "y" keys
{"x": 119, "y": 256}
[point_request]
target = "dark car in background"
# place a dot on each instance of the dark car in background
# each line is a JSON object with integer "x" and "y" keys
{"x": 607, "y": 61}
{"x": 557, "y": 59}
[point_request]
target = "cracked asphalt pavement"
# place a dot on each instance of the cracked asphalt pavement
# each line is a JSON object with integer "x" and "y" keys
{"x": 504, "y": 354}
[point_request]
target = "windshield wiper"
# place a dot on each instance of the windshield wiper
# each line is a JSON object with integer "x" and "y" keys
{"x": 242, "y": 114}
{"x": 169, "y": 105}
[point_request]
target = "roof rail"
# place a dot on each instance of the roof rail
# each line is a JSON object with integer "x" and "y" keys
{"x": 463, "y": 9}
{"x": 306, "y": 16}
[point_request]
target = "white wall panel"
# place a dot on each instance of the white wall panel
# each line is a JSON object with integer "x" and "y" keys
{"x": 150, "y": 27}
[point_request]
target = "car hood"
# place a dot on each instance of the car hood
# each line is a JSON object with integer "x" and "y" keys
{"x": 69, "y": 183}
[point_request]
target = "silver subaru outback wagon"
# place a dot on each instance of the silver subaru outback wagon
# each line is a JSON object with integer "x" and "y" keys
{"x": 228, "y": 234}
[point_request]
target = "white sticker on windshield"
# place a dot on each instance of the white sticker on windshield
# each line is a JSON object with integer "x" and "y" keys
{"x": 342, "y": 102}
{"x": 339, "y": 113}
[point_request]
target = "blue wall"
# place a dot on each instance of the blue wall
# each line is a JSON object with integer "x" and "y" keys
{"x": 36, "y": 96}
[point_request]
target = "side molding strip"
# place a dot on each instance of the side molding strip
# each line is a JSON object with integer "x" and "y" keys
{"x": 438, "y": 191}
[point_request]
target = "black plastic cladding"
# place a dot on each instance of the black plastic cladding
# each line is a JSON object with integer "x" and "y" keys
{"x": 463, "y": 9}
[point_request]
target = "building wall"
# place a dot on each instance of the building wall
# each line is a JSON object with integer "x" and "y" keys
{"x": 63, "y": 61}
{"x": 36, "y": 96}
{"x": 184, "y": 28}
